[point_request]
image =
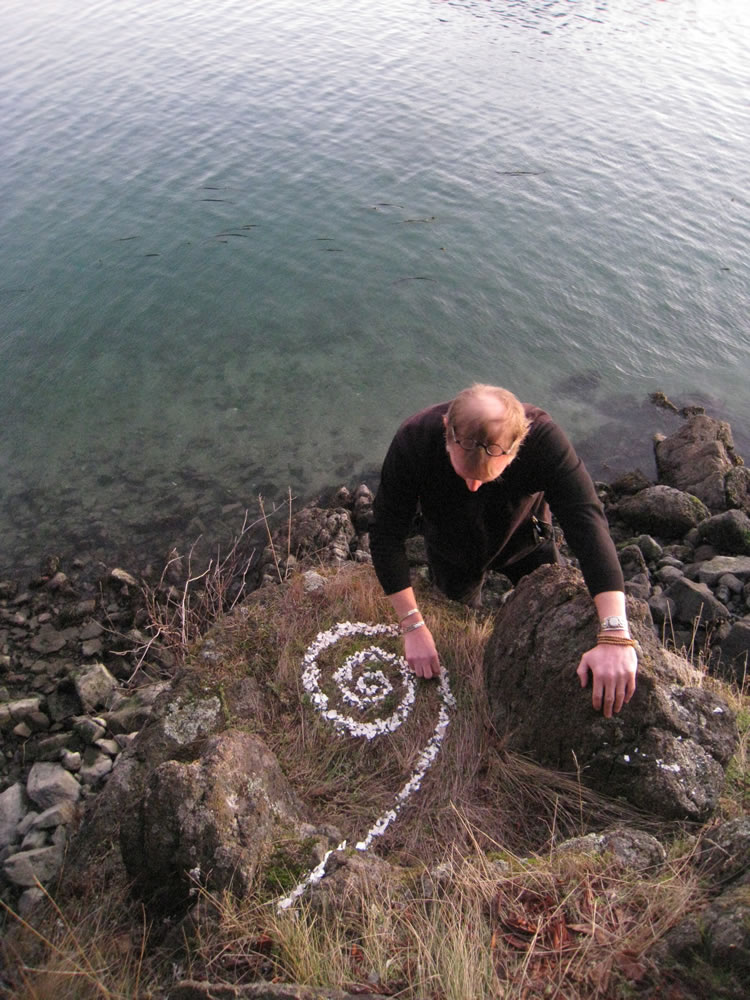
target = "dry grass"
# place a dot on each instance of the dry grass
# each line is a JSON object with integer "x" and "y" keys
{"x": 478, "y": 905}
{"x": 93, "y": 949}
{"x": 560, "y": 926}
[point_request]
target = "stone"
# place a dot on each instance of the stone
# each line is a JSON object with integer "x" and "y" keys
{"x": 650, "y": 548}
{"x": 667, "y": 749}
{"x": 63, "y": 702}
{"x": 50, "y": 784}
{"x": 59, "y": 815}
{"x": 630, "y": 849}
{"x": 26, "y": 868}
{"x": 711, "y": 571}
{"x": 663, "y": 510}
{"x": 697, "y": 458}
{"x": 632, "y": 561}
{"x": 13, "y": 712}
{"x": 724, "y": 851}
{"x": 313, "y": 581}
{"x": 728, "y": 532}
{"x": 694, "y": 603}
{"x": 34, "y": 839}
{"x": 92, "y": 630}
{"x": 316, "y": 531}
{"x": 94, "y": 686}
{"x": 737, "y": 485}
{"x": 29, "y": 900}
{"x": 735, "y": 649}
{"x": 95, "y": 766}
{"x": 220, "y": 812}
{"x": 121, "y": 576}
{"x": 12, "y": 809}
{"x": 71, "y": 760}
{"x": 90, "y": 730}
{"x": 48, "y": 640}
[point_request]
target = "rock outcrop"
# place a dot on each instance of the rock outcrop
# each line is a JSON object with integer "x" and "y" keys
{"x": 665, "y": 752}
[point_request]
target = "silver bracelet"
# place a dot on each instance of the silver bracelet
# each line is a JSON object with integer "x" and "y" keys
{"x": 614, "y": 623}
{"x": 414, "y": 611}
{"x": 410, "y": 628}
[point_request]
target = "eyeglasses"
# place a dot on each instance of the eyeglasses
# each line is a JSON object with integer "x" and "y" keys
{"x": 493, "y": 450}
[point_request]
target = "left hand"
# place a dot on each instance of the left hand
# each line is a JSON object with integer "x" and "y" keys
{"x": 613, "y": 670}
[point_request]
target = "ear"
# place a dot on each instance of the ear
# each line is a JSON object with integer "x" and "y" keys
{"x": 445, "y": 421}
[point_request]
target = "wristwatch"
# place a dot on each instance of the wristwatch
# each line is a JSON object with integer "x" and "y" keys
{"x": 613, "y": 623}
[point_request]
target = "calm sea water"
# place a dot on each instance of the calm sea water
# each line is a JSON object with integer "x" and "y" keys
{"x": 241, "y": 240}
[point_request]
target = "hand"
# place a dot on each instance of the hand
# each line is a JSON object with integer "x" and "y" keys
{"x": 613, "y": 670}
{"x": 421, "y": 654}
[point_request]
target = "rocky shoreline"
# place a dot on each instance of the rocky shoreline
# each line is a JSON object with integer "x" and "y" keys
{"x": 82, "y": 664}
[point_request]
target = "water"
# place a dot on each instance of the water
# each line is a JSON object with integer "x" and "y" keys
{"x": 243, "y": 240}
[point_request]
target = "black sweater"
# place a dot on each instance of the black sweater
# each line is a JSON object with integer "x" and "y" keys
{"x": 472, "y": 530}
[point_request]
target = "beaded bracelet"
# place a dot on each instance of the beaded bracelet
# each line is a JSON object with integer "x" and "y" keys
{"x": 614, "y": 640}
{"x": 410, "y": 628}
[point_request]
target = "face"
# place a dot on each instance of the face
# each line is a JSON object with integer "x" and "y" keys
{"x": 463, "y": 467}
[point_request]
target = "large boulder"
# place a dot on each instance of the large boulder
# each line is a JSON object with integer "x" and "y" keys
{"x": 662, "y": 510}
{"x": 698, "y": 458}
{"x": 215, "y": 815}
{"x": 666, "y": 751}
{"x": 728, "y": 532}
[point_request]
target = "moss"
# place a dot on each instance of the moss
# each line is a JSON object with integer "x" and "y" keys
{"x": 287, "y": 865}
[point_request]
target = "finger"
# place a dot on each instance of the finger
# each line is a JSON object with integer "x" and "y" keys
{"x": 630, "y": 687}
{"x": 597, "y": 692}
{"x": 619, "y": 695}
{"x": 583, "y": 672}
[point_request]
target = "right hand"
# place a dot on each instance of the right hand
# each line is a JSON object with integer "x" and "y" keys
{"x": 421, "y": 654}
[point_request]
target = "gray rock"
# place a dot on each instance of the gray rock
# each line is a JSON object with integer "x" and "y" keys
{"x": 631, "y": 849}
{"x": 667, "y": 512}
{"x": 19, "y": 710}
{"x": 316, "y": 531}
{"x": 50, "y": 784}
{"x": 737, "y": 484}
{"x": 694, "y": 602}
{"x": 90, "y": 730}
{"x": 33, "y": 840}
{"x": 29, "y": 900}
{"x": 697, "y": 459}
{"x": 711, "y": 572}
{"x": 724, "y": 851}
{"x": 48, "y": 640}
{"x": 735, "y": 649}
{"x": 122, "y": 576}
{"x": 59, "y": 815}
{"x": 62, "y": 703}
{"x": 728, "y": 532}
{"x": 28, "y": 867}
{"x": 665, "y": 751}
{"x": 313, "y": 581}
{"x": 219, "y": 812}
{"x": 71, "y": 760}
{"x": 95, "y": 766}
{"x": 650, "y": 548}
{"x": 632, "y": 561}
{"x": 667, "y": 574}
{"x": 94, "y": 685}
{"x": 13, "y": 805}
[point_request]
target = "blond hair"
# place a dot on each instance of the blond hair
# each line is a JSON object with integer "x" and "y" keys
{"x": 488, "y": 414}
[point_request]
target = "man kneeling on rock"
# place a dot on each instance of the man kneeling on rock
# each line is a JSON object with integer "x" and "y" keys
{"x": 484, "y": 470}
